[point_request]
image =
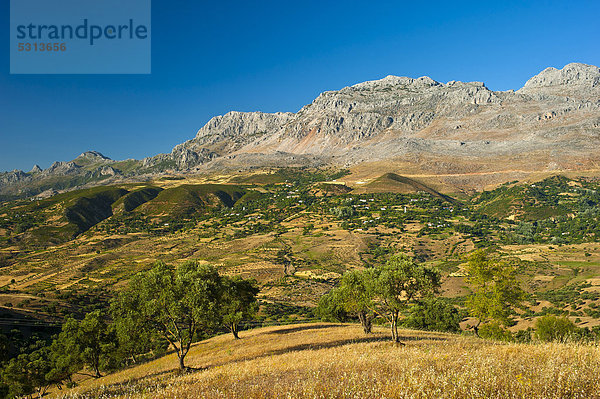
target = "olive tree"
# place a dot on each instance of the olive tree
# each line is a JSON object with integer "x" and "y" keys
{"x": 89, "y": 342}
{"x": 238, "y": 302}
{"x": 395, "y": 285}
{"x": 177, "y": 303}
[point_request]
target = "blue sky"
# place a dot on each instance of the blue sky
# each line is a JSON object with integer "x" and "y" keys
{"x": 210, "y": 58}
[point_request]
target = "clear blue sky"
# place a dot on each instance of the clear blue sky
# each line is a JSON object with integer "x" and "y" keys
{"x": 210, "y": 58}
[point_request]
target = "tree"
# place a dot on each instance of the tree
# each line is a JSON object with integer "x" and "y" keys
{"x": 330, "y": 308}
{"x": 238, "y": 302}
{"x": 350, "y": 298}
{"x": 89, "y": 342}
{"x": 176, "y": 303}
{"x": 133, "y": 335}
{"x": 496, "y": 291}
{"x": 356, "y": 297}
{"x": 27, "y": 373}
{"x": 397, "y": 283}
{"x": 435, "y": 315}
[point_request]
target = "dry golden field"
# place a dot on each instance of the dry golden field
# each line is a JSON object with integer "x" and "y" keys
{"x": 339, "y": 361}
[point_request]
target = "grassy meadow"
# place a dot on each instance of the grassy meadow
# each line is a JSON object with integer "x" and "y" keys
{"x": 339, "y": 361}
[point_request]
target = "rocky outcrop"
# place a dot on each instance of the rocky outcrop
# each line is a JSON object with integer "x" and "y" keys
{"x": 398, "y": 117}
{"x": 574, "y": 80}
{"x": 108, "y": 171}
{"x": 61, "y": 168}
{"x": 14, "y": 176}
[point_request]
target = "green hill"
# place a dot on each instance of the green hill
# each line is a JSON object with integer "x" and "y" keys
{"x": 189, "y": 199}
{"x": 393, "y": 183}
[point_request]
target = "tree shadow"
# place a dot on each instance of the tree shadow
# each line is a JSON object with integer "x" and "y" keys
{"x": 305, "y": 327}
{"x": 338, "y": 343}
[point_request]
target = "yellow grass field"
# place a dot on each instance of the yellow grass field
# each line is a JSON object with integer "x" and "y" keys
{"x": 339, "y": 361}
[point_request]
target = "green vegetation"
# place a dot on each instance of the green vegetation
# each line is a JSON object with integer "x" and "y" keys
{"x": 177, "y": 304}
{"x": 552, "y": 328}
{"x": 161, "y": 305}
{"x": 382, "y": 291}
{"x": 496, "y": 291}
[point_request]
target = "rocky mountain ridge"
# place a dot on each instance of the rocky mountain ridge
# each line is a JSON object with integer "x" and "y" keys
{"x": 552, "y": 122}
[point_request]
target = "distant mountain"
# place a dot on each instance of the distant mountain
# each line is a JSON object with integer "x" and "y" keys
{"x": 417, "y": 125}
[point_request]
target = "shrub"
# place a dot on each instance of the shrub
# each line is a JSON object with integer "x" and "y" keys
{"x": 435, "y": 315}
{"x": 553, "y": 328}
{"x": 495, "y": 331}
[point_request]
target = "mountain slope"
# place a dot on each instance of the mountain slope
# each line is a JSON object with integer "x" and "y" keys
{"x": 551, "y": 123}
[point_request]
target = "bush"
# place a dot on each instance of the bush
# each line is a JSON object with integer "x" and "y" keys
{"x": 553, "y": 328}
{"x": 434, "y": 315}
{"x": 523, "y": 336}
{"x": 495, "y": 331}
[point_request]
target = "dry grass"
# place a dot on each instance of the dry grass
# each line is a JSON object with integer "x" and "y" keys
{"x": 338, "y": 361}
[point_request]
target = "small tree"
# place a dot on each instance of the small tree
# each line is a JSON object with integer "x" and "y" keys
{"x": 331, "y": 308}
{"x": 356, "y": 297}
{"x": 496, "y": 291}
{"x": 434, "y": 314}
{"x": 552, "y": 328}
{"x": 133, "y": 335}
{"x": 176, "y": 303}
{"x": 350, "y": 298}
{"x": 27, "y": 373}
{"x": 396, "y": 284}
{"x": 89, "y": 342}
{"x": 238, "y": 302}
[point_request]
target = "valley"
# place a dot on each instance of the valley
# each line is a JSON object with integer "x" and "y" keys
{"x": 297, "y": 231}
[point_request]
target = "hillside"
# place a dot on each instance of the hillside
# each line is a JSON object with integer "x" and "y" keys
{"x": 393, "y": 183}
{"x": 340, "y": 361}
{"x": 297, "y": 233}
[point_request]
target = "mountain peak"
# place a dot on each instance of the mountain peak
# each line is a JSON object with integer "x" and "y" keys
{"x": 93, "y": 155}
{"x": 573, "y": 80}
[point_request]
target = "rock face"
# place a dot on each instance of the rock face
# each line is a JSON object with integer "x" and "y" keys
{"x": 61, "y": 168}
{"x": 556, "y": 116}
{"x": 574, "y": 80}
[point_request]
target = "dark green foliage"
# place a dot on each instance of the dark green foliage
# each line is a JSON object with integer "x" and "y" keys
{"x": 89, "y": 342}
{"x": 331, "y": 308}
{"x": 29, "y": 373}
{"x": 238, "y": 302}
{"x": 134, "y": 337}
{"x": 385, "y": 291}
{"x": 524, "y": 336}
{"x": 136, "y": 198}
{"x": 187, "y": 199}
{"x": 90, "y": 209}
{"x": 351, "y": 298}
{"x": 397, "y": 284}
{"x": 494, "y": 330}
{"x": 175, "y": 303}
{"x": 434, "y": 314}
